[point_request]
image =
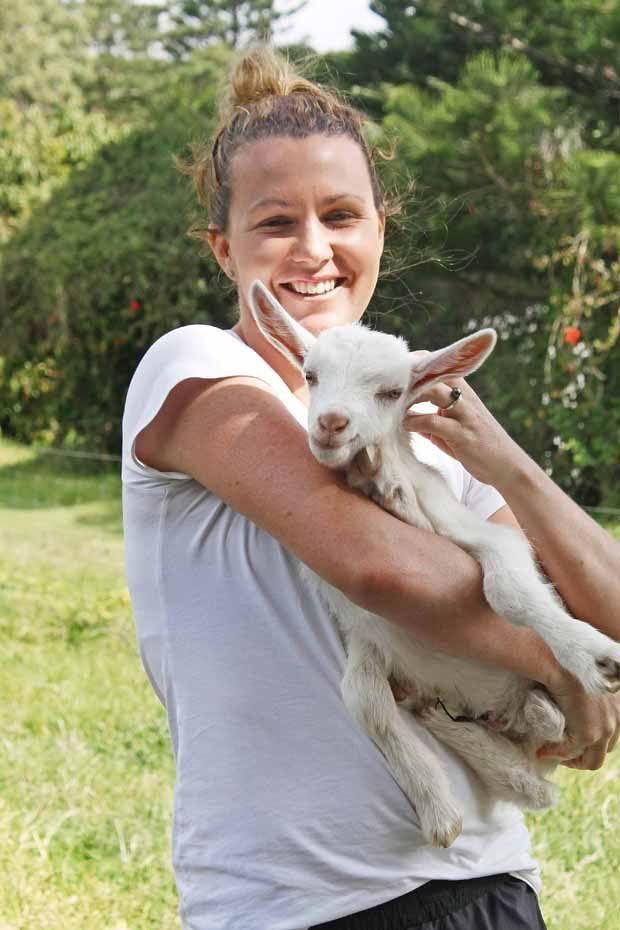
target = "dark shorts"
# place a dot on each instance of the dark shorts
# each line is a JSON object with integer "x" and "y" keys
{"x": 499, "y": 902}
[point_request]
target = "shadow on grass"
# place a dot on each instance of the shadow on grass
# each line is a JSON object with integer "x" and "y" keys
{"x": 46, "y": 481}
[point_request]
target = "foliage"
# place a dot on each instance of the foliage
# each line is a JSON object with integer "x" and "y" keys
{"x": 97, "y": 275}
{"x": 45, "y": 129}
{"x": 38, "y": 150}
{"x": 43, "y": 52}
{"x": 570, "y": 42}
{"x": 537, "y": 212}
{"x": 196, "y": 24}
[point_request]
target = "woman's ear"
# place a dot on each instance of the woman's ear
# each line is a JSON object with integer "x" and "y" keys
{"x": 382, "y": 227}
{"x": 220, "y": 246}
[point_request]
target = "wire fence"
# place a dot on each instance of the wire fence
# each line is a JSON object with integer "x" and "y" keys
{"x": 69, "y": 453}
{"x": 110, "y": 459}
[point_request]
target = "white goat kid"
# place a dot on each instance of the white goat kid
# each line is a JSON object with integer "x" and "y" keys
{"x": 361, "y": 384}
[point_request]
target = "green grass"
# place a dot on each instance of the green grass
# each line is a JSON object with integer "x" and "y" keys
{"x": 85, "y": 767}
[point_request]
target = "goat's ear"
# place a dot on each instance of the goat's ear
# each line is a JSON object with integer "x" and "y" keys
{"x": 278, "y": 327}
{"x": 455, "y": 361}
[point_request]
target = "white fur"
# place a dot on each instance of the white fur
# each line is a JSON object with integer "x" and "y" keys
{"x": 355, "y": 425}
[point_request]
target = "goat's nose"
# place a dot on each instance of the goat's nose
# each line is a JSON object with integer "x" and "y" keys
{"x": 333, "y": 422}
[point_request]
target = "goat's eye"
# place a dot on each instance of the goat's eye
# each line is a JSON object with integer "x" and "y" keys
{"x": 311, "y": 378}
{"x": 390, "y": 395}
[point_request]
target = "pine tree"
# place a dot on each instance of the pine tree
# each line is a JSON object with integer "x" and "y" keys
{"x": 193, "y": 24}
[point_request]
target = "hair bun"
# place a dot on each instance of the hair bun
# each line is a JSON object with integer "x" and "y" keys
{"x": 261, "y": 72}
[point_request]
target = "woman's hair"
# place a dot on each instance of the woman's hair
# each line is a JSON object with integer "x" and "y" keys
{"x": 267, "y": 99}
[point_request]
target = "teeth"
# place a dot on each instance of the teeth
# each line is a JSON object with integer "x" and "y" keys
{"x": 304, "y": 287}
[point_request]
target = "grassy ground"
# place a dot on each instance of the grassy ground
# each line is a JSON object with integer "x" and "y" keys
{"x": 85, "y": 769}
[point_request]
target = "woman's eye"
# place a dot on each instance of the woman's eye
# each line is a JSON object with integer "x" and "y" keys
{"x": 311, "y": 378}
{"x": 339, "y": 216}
{"x": 276, "y": 221}
{"x": 390, "y": 395}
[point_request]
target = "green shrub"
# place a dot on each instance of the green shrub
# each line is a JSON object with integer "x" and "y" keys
{"x": 97, "y": 274}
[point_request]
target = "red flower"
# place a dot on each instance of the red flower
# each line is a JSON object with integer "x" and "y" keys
{"x": 572, "y": 335}
{"x": 134, "y": 305}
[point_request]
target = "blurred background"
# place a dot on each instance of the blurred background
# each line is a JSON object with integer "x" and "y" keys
{"x": 502, "y": 122}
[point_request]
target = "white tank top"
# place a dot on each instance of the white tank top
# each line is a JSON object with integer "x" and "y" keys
{"x": 285, "y": 813}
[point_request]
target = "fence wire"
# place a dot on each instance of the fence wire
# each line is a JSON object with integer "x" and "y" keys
{"x": 104, "y": 457}
{"x": 110, "y": 458}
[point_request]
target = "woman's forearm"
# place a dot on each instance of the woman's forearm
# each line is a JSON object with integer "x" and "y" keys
{"x": 578, "y": 556}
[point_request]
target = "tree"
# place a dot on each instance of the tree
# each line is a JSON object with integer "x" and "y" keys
{"x": 46, "y": 129}
{"x": 570, "y": 42}
{"x": 196, "y": 23}
{"x": 99, "y": 272}
{"x": 537, "y": 211}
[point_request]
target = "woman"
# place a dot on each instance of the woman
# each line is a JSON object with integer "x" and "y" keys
{"x": 286, "y": 815}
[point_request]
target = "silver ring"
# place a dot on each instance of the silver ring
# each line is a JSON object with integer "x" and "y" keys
{"x": 455, "y": 394}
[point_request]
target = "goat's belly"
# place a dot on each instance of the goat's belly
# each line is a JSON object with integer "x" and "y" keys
{"x": 466, "y": 685}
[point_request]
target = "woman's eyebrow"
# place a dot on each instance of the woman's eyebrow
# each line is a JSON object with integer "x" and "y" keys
{"x": 346, "y": 195}
{"x": 280, "y": 202}
{"x": 269, "y": 202}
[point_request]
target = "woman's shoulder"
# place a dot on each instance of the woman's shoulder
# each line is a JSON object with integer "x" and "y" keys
{"x": 194, "y": 337}
{"x": 195, "y": 351}
{"x": 204, "y": 351}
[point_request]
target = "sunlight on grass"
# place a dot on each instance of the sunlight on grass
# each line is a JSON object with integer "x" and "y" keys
{"x": 86, "y": 772}
{"x": 86, "y": 777}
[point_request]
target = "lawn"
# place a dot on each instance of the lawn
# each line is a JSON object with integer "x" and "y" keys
{"x": 85, "y": 770}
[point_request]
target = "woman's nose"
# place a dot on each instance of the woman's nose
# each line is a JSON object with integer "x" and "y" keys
{"x": 312, "y": 244}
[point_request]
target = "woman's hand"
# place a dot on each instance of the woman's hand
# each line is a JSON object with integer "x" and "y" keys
{"x": 467, "y": 431}
{"x": 592, "y": 724}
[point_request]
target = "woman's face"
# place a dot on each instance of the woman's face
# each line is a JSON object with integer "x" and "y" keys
{"x": 303, "y": 221}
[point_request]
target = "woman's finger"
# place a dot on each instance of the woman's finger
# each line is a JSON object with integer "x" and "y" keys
{"x": 434, "y": 426}
{"x": 563, "y": 752}
{"x": 439, "y": 393}
{"x": 593, "y": 758}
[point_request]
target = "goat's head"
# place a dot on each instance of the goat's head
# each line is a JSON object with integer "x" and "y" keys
{"x": 361, "y": 382}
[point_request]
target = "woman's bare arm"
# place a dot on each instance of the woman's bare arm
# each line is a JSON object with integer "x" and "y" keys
{"x": 581, "y": 559}
{"x": 235, "y": 437}
{"x": 578, "y": 556}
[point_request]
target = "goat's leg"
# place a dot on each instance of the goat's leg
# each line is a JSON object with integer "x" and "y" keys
{"x": 516, "y": 590}
{"x": 541, "y": 721}
{"x": 500, "y": 764}
{"x": 368, "y": 697}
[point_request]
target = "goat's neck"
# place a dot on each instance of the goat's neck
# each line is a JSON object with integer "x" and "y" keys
{"x": 396, "y": 452}
{"x": 395, "y": 484}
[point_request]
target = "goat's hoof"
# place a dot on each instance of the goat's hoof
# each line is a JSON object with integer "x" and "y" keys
{"x": 440, "y": 826}
{"x": 597, "y": 666}
{"x": 537, "y": 794}
{"x": 543, "y": 718}
{"x": 610, "y": 670}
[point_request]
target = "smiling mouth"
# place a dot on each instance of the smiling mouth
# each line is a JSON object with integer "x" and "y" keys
{"x": 307, "y": 289}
